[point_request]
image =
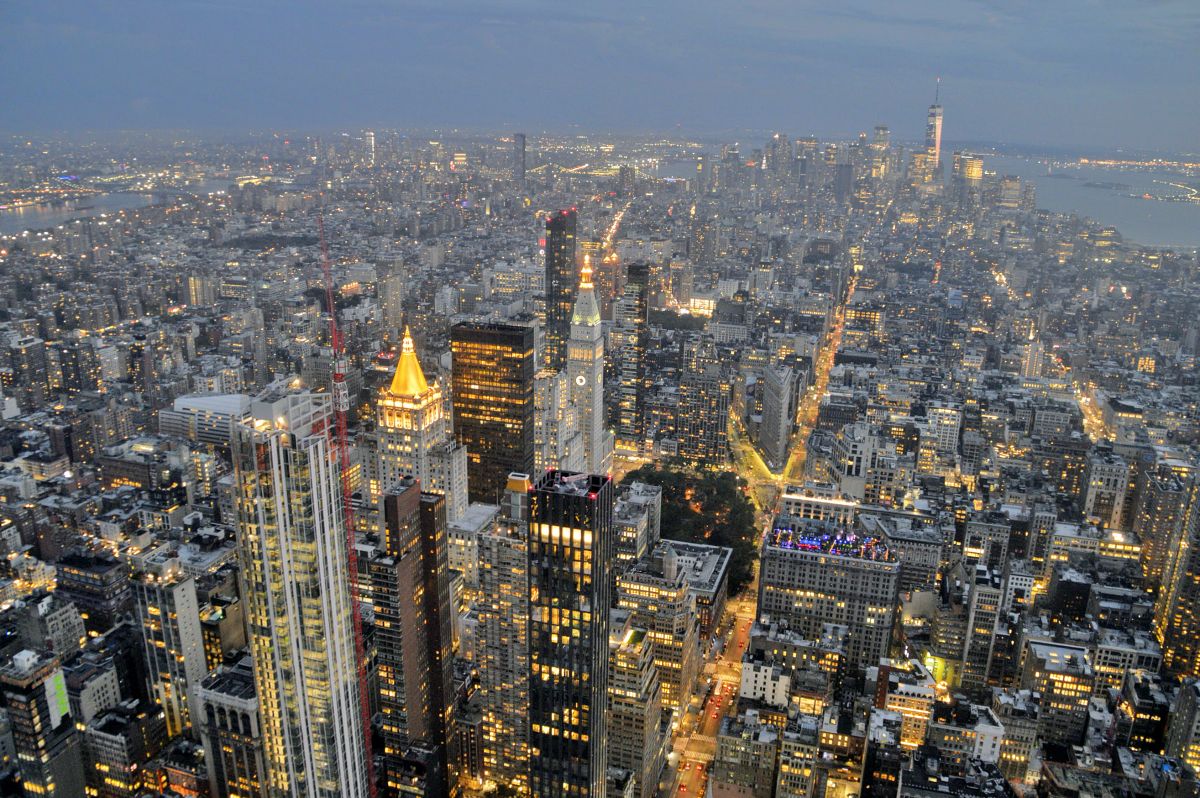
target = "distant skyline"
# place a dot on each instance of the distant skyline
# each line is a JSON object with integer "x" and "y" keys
{"x": 1073, "y": 73}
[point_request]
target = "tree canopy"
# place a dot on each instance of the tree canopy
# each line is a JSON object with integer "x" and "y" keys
{"x": 711, "y": 508}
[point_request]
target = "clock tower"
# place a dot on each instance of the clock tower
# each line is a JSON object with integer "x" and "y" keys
{"x": 585, "y": 373}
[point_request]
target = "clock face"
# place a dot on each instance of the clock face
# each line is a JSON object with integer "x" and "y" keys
{"x": 581, "y": 380}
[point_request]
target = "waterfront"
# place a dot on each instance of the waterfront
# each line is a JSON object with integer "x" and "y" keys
{"x": 1113, "y": 197}
{"x": 1109, "y": 196}
{"x": 40, "y": 217}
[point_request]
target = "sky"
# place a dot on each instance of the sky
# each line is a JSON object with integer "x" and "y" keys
{"x": 1085, "y": 74}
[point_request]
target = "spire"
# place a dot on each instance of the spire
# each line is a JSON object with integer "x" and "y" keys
{"x": 586, "y": 312}
{"x": 937, "y": 90}
{"x": 409, "y": 379}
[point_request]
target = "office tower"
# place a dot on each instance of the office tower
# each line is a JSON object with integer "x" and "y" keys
{"x": 1183, "y": 729}
{"x": 1105, "y": 481}
{"x": 967, "y": 178}
{"x": 702, "y": 424}
{"x": 503, "y": 639}
{"x": 982, "y": 613}
{"x": 561, "y": 285}
{"x": 519, "y": 157}
{"x": 933, "y": 132}
{"x": 231, "y": 729}
{"x": 292, "y": 551}
{"x": 570, "y": 551}
{"x": 119, "y": 745}
{"x": 31, "y": 377}
{"x": 775, "y": 432}
{"x": 585, "y": 371}
{"x": 655, "y": 593}
{"x": 1159, "y": 516}
{"x": 414, "y": 436}
{"x": 637, "y": 736}
{"x": 814, "y": 573}
{"x": 1063, "y": 675}
{"x": 1177, "y": 608}
{"x": 392, "y": 291}
{"x": 174, "y": 644}
{"x": 630, "y": 338}
{"x": 843, "y": 183}
{"x": 44, "y": 735}
{"x": 493, "y": 381}
{"x": 369, "y": 147}
{"x": 411, "y": 596}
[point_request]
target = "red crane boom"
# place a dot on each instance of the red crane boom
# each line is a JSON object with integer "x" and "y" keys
{"x": 341, "y": 406}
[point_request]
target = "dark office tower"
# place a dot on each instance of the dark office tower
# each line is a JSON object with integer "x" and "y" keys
{"x": 492, "y": 382}
{"x": 519, "y": 157}
{"x": 43, "y": 733}
{"x": 570, "y": 549}
{"x": 843, "y": 183}
{"x": 411, "y": 594}
{"x": 630, "y": 339}
{"x": 562, "y": 282}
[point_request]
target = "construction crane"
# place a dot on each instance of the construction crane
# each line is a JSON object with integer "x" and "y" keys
{"x": 341, "y": 406}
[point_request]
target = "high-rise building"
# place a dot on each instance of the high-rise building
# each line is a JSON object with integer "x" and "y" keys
{"x": 570, "y": 551}
{"x": 493, "y": 382}
{"x": 702, "y": 424}
{"x": 656, "y": 595}
{"x": 630, "y": 337}
{"x": 1177, "y": 608}
{"x": 933, "y": 132}
{"x": 44, "y": 735}
{"x": 411, "y": 597}
{"x": 562, "y": 281}
{"x": 585, "y": 370}
{"x": 637, "y": 736}
{"x": 292, "y": 551}
{"x": 174, "y": 642}
{"x": 31, "y": 378}
{"x": 414, "y": 436}
{"x": 519, "y": 157}
{"x": 369, "y": 147}
{"x": 775, "y": 432}
{"x": 503, "y": 639}
{"x": 231, "y": 729}
{"x": 814, "y": 573}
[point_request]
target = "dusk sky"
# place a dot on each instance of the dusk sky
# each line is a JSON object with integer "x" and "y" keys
{"x": 1086, "y": 73}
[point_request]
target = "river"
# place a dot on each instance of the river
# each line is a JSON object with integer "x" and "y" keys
{"x": 40, "y": 217}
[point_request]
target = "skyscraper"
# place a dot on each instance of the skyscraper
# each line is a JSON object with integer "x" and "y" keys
{"x": 630, "y": 338}
{"x": 570, "y": 551}
{"x": 561, "y": 284}
{"x": 703, "y": 417}
{"x": 43, "y": 733}
{"x": 493, "y": 381}
{"x": 585, "y": 369}
{"x": 933, "y": 132}
{"x": 503, "y": 638}
{"x": 414, "y": 436}
{"x": 411, "y": 595}
{"x": 292, "y": 550}
{"x": 519, "y": 157}
{"x": 174, "y": 644}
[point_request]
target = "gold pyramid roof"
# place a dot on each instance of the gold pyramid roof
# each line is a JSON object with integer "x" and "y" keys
{"x": 410, "y": 379}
